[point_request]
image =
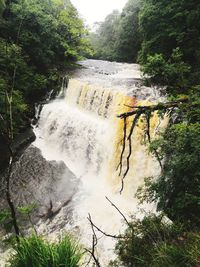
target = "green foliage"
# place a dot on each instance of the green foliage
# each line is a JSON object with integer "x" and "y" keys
{"x": 39, "y": 40}
{"x": 118, "y": 38}
{"x": 177, "y": 190}
{"x": 24, "y": 217}
{"x": 26, "y": 210}
{"x": 5, "y": 220}
{"x": 103, "y": 41}
{"x": 172, "y": 73}
{"x": 51, "y": 35}
{"x": 35, "y": 252}
{"x": 128, "y": 39}
{"x": 2, "y": 6}
{"x": 166, "y": 27}
{"x": 153, "y": 242}
{"x": 170, "y": 58}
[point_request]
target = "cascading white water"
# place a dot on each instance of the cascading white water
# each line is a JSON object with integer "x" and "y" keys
{"x": 82, "y": 130}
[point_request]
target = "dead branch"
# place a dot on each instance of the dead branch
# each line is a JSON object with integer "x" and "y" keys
{"x": 95, "y": 239}
{"x": 135, "y": 120}
{"x": 94, "y": 258}
{"x": 152, "y": 108}
{"x": 104, "y": 233}
{"x": 94, "y": 244}
{"x": 10, "y": 201}
{"x": 120, "y": 165}
{"x": 124, "y": 217}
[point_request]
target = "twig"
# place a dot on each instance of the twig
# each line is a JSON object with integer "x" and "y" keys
{"x": 94, "y": 257}
{"x": 94, "y": 244}
{"x": 124, "y": 217}
{"x": 104, "y": 233}
{"x": 123, "y": 149}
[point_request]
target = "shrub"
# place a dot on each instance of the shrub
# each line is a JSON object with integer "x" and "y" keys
{"x": 151, "y": 242}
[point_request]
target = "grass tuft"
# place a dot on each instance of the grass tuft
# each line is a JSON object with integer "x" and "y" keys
{"x": 36, "y": 252}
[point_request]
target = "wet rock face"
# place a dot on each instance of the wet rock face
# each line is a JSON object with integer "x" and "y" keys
{"x": 22, "y": 141}
{"x": 36, "y": 180}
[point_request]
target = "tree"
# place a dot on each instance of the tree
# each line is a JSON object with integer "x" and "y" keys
{"x": 177, "y": 190}
{"x": 153, "y": 242}
{"x": 129, "y": 39}
{"x": 117, "y": 38}
{"x": 38, "y": 41}
{"x": 103, "y": 41}
{"x": 166, "y": 26}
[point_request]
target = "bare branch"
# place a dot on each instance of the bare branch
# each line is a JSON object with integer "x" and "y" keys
{"x": 9, "y": 199}
{"x": 94, "y": 258}
{"x": 124, "y": 217}
{"x": 134, "y": 123}
{"x": 94, "y": 244}
{"x": 104, "y": 233}
{"x": 152, "y": 108}
{"x": 123, "y": 149}
{"x": 51, "y": 213}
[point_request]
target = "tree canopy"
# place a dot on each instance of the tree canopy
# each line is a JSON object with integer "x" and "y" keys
{"x": 118, "y": 38}
{"x": 171, "y": 42}
{"x": 39, "y": 40}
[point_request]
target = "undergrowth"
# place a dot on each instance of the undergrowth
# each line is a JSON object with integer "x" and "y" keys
{"x": 152, "y": 242}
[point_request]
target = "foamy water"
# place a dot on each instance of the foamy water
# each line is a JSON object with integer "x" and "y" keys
{"x": 83, "y": 131}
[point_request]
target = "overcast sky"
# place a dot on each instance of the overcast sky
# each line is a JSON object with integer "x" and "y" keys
{"x": 97, "y": 10}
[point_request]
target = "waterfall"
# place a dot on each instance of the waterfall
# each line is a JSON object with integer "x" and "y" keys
{"x": 63, "y": 87}
{"x": 82, "y": 129}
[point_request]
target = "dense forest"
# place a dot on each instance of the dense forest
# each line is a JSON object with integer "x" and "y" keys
{"x": 40, "y": 40}
{"x": 117, "y": 38}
